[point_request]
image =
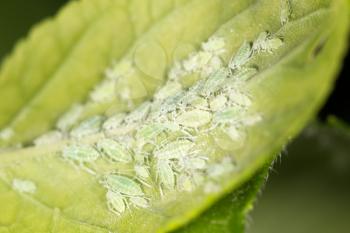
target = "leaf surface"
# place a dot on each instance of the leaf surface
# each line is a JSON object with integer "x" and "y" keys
{"x": 291, "y": 83}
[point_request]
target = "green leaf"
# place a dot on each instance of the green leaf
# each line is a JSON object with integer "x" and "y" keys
{"x": 268, "y": 96}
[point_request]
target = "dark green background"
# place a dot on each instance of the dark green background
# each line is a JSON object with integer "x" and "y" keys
{"x": 308, "y": 190}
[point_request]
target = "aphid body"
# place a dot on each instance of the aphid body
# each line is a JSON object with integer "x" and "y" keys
{"x": 194, "y": 119}
{"x": 114, "y": 150}
{"x": 242, "y": 56}
{"x": 286, "y": 11}
{"x": 123, "y": 185}
{"x": 80, "y": 153}
{"x": 174, "y": 150}
{"x": 88, "y": 127}
{"x": 116, "y": 202}
{"x": 214, "y": 82}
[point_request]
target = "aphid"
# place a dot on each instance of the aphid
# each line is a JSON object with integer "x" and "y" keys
{"x": 141, "y": 171}
{"x": 242, "y": 56}
{"x": 214, "y": 82}
{"x": 115, "y": 202}
{"x": 259, "y": 43}
{"x": 194, "y": 119}
{"x": 165, "y": 174}
{"x": 49, "y": 138}
{"x": 148, "y": 133}
{"x": 123, "y": 185}
{"x": 114, "y": 150}
{"x": 81, "y": 154}
{"x": 138, "y": 114}
{"x": 114, "y": 122}
{"x": 70, "y": 118}
{"x": 170, "y": 89}
{"x": 267, "y": 43}
{"x": 245, "y": 73}
{"x": 218, "y": 102}
{"x": 174, "y": 150}
{"x": 286, "y": 11}
{"x": 90, "y": 126}
{"x": 24, "y": 186}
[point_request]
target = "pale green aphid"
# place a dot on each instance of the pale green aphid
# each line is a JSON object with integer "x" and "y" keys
{"x": 24, "y": 186}
{"x": 149, "y": 133}
{"x": 170, "y": 89}
{"x": 114, "y": 150}
{"x": 218, "y": 102}
{"x": 194, "y": 119}
{"x": 141, "y": 171}
{"x": 113, "y": 122}
{"x": 123, "y": 185}
{"x": 286, "y": 11}
{"x": 88, "y": 127}
{"x": 80, "y": 153}
{"x": 115, "y": 202}
{"x": 266, "y": 43}
{"x": 242, "y": 56}
{"x": 165, "y": 175}
{"x": 49, "y": 138}
{"x": 139, "y": 114}
{"x": 174, "y": 150}
{"x": 214, "y": 82}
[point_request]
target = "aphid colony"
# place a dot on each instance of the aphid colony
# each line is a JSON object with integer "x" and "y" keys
{"x": 159, "y": 138}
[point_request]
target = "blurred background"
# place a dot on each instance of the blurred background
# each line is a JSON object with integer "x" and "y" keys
{"x": 308, "y": 190}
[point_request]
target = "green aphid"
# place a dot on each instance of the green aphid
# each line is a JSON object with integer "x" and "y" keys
{"x": 214, "y": 82}
{"x": 123, "y": 185}
{"x": 242, "y": 56}
{"x": 194, "y": 119}
{"x": 114, "y": 150}
{"x": 267, "y": 43}
{"x": 174, "y": 150}
{"x": 80, "y": 153}
{"x": 165, "y": 175}
{"x": 91, "y": 126}
{"x": 116, "y": 203}
{"x": 138, "y": 114}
